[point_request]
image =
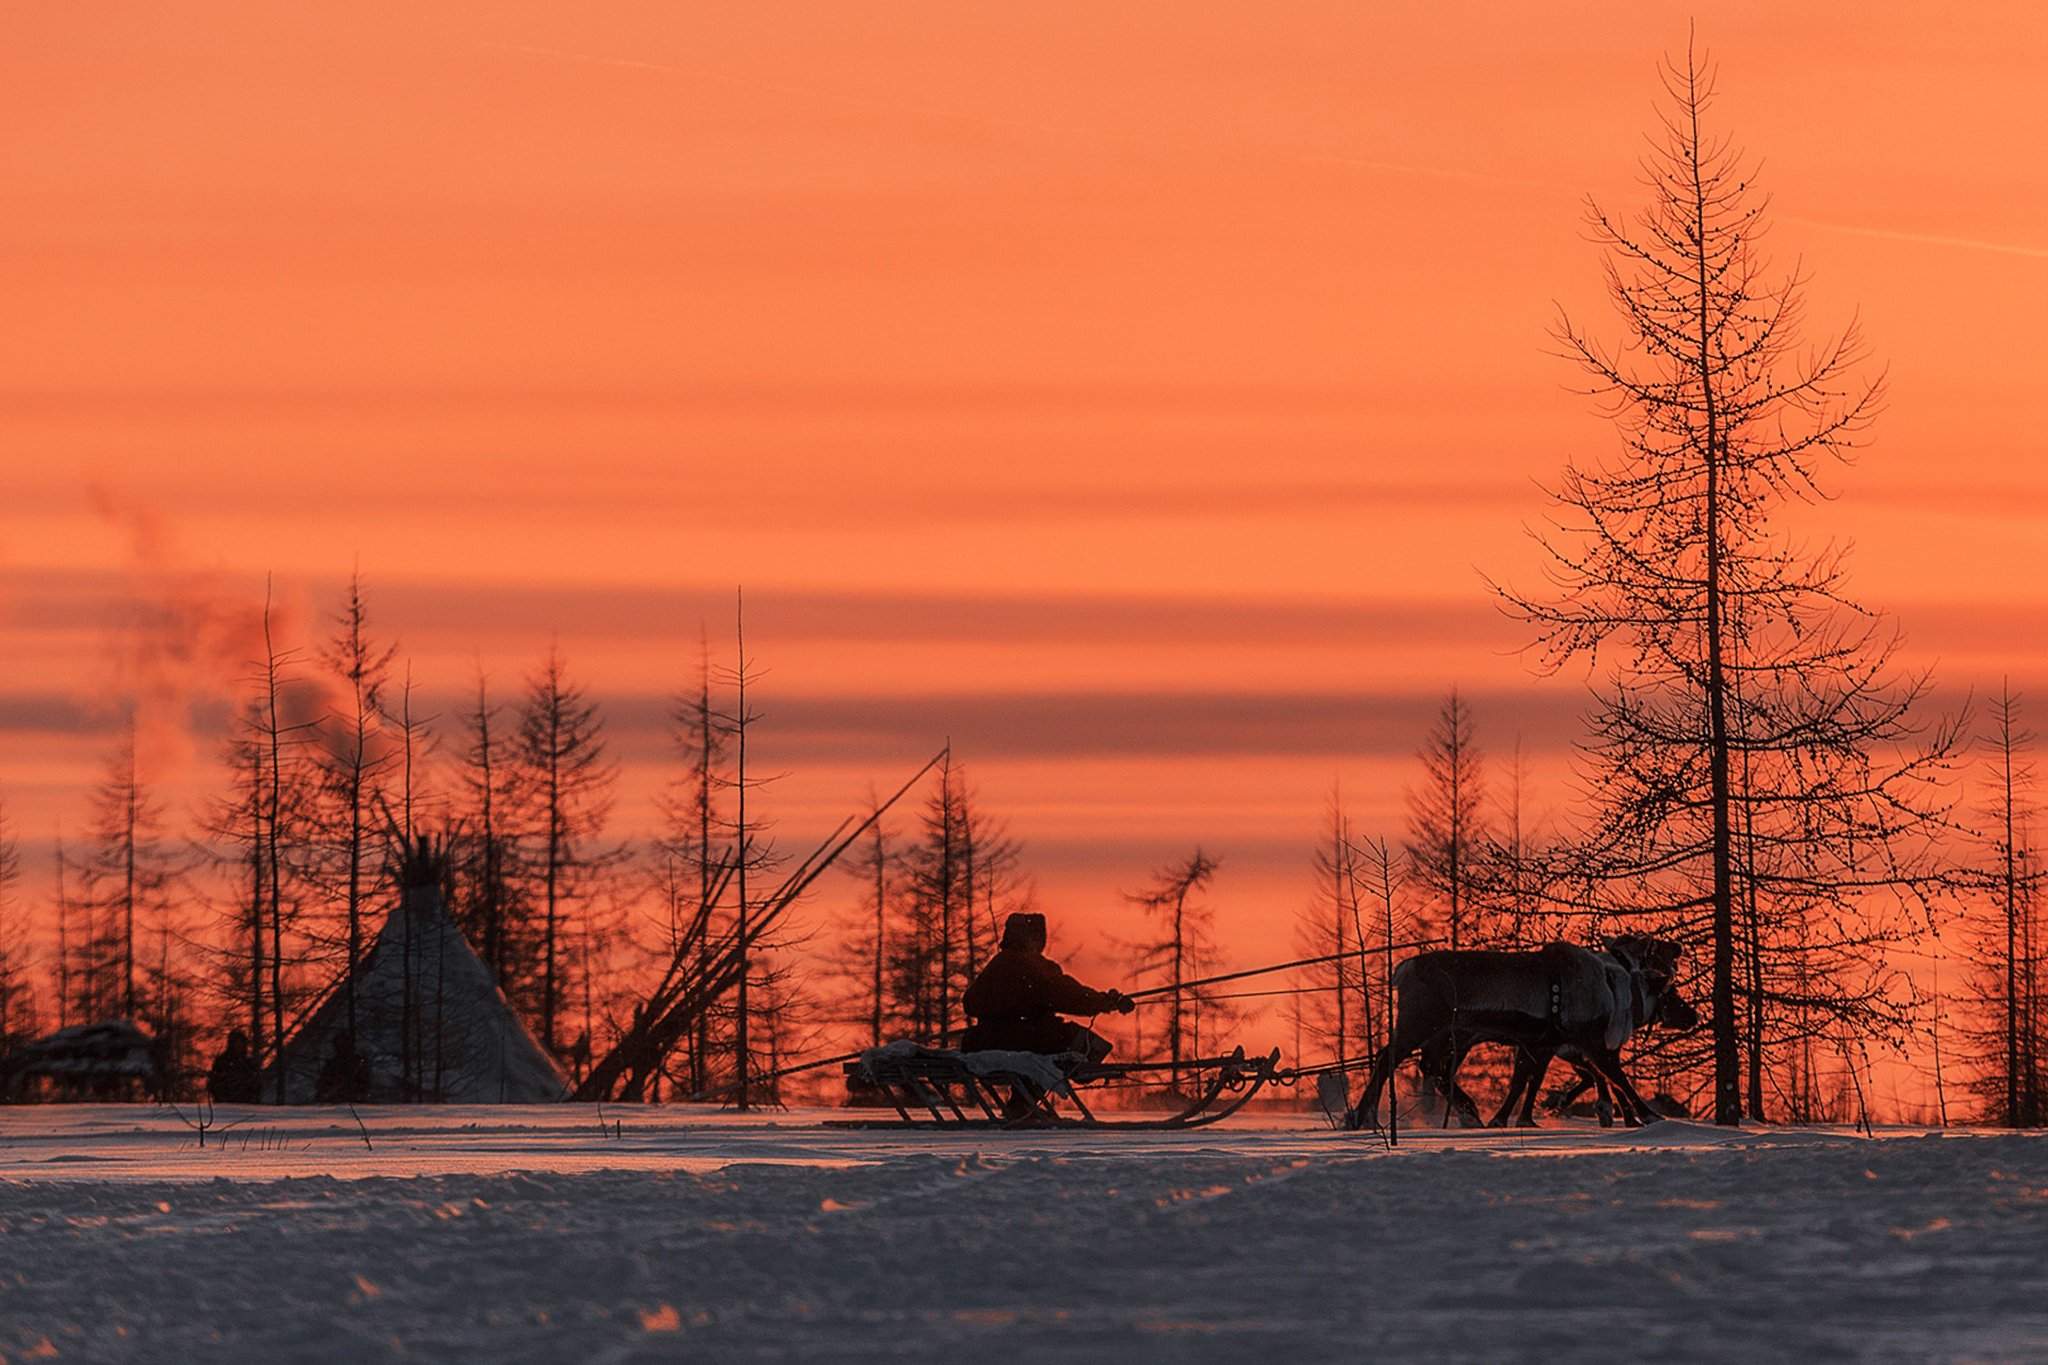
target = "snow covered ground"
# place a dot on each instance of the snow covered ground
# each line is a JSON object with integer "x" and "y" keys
{"x": 527, "y": 1235}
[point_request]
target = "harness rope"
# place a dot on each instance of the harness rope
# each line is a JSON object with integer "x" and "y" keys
{"x": 1286, "y": 1076}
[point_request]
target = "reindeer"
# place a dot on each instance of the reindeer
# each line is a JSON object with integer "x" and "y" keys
{"x": 1650, "y": 965}
{"x": 1554, "y": 998}
{"x": 1636, "y": 961}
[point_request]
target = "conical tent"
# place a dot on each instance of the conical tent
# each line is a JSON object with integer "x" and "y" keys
{"x": 430, "y": 1022}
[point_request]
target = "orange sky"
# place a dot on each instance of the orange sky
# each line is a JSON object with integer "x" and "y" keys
{"x": 1134, "y": 396}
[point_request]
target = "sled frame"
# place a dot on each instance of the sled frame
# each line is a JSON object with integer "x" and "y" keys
{"x": 940, "y": 1092}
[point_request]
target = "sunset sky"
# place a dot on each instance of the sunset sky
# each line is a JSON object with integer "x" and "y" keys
{"x": 1135, "y": 395}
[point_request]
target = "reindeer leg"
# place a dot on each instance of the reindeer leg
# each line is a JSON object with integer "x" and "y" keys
{"x": 1518, "y": 1085}
{"x": 1588, "y": 1077}
{"x": 1366, "y": 1114}
{"x": 1591, "y": 1077}
{"x": 1582, "y": 1081}
{"x": 1454, "y": 1094}
{"x": 1539, "y": 1068}
{"x": 1609, "y": 1063}
{"x": 1434, "y": 1060}
{"x": 1468, "y": 1107}
{"x": 1634, "y": 1108}
{"x": 1366, "y": 1111}
{"x": 1418, "y": 1024}
{"x": 1515, "y": 1080}
{"x": 1411, "y": 1033}
{"x": 1440, "y": 1055}
{"x": 1527, "y": 1118}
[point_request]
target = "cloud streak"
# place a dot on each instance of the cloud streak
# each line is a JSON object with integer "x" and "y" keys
{"x": 435, "y": 612}
{"x": 1924, "y": 238}
{"x": 1024, "y": 725}
{"x": 1061, "y": 726}
{"x": 66, "y": 599}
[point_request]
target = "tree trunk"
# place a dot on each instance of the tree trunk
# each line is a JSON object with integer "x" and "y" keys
{"x": 276, "y": 857}
{"x": 700, "y": 1058}
{"x": 256, "y": 903}
{"x": 1179, "y": 975}
{"x": 552, "y": 875}
{"x": 745, "y": 855}
{"x": 128, "y": 1001}
{"x": 63, "y": 942}
{"x": 881, "y": 922}
{"x": 1727, "y": 1060}
{"x": 945, "y": 888}
{"x": 2012, "y": 934}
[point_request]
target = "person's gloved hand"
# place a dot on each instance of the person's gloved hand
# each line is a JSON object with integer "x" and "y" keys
{"x": 1121, "y": 1003}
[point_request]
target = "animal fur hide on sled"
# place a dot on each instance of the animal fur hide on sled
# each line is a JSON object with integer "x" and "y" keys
{"x": 1039, "y": 1068}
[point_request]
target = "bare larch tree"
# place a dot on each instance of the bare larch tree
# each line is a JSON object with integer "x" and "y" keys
{"x": 567, "y": 779}
{"x": 421, "y": 1018}
{"x": 1512, "y": 882}
{"x": 1328, "y": 1006}
{"x": 957, "y": 879}
{"x": 863, "y": 956}
{"x": 491, "y": 907}
{"x": 1181, "y": 950}
{"x": 2005, "y": 1031}
{"x": 232, "y": 830}
{"x": 17, "y": 1005}
{"x": 127, "y": 881}
{"x": 692, "y": 850}
{"x": 1447, "y": 824}
{"x": 352, "y": 761}
{"x": 285, "y": 818}
{"x": 1751, "y": 736}
{"x": 754, "y": 858}
{"x": 61, "y": 888}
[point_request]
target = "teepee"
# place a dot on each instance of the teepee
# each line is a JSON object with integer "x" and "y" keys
{"x": 431, "y": 1025}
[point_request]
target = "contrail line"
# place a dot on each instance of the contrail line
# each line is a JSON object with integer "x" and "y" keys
{"x": 1924, "y": 238}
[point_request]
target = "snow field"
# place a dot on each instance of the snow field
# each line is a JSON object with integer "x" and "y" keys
{"x": 714, "y": 1239}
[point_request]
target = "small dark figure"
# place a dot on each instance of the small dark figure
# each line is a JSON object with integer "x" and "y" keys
{"x": 233, "y": 1078}
{"x": 344, "y": 1076}
{"x": 1017, "y": 1000}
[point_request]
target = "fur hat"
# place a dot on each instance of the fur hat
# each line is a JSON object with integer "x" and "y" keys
{"x": 1024, "y": 931}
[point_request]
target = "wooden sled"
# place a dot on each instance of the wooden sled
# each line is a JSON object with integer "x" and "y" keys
{"x": 933, "y": 1088}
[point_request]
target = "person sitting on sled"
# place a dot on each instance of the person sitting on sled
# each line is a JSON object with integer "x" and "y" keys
{"x": 1018, "y": 998}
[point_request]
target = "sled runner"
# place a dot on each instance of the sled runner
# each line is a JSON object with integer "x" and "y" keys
{"x": 942, "y": 1088}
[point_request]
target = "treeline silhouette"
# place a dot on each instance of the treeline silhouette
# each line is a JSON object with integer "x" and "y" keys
{"x": 256, "y": 913}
